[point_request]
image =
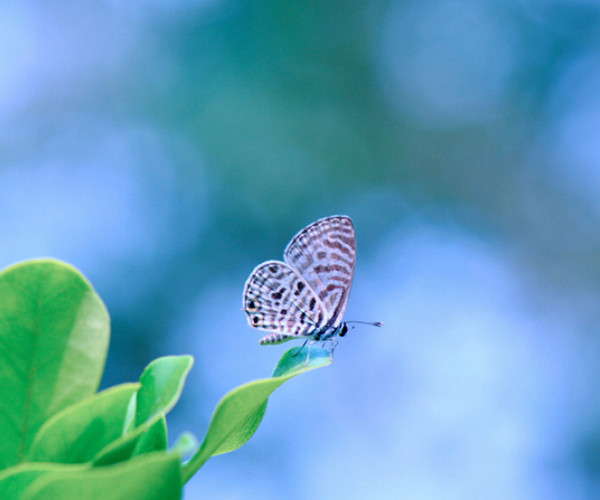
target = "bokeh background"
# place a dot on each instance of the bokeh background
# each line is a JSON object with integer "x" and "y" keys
{"x": 166, "y": 148}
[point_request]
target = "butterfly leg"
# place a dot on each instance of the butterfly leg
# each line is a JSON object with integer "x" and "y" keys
{"x": 300, "y": 350}
{"x": 334, "y": 343}
{"x": 308, "y": 356}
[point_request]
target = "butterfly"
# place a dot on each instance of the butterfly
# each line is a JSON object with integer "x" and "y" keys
{"x": 306, "y": 295}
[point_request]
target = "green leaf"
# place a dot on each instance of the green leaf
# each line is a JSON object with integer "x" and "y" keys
{"x": 14, "y": 480}
{"x": 241, "y": 410}
{"x": 154, "y": 439}
{"x": 186, "y": 445}
{"x": 123, "y": 449}
{"x": 156, "y": 476}
{"x": 301, "y": 359}
{"x": 54, "y": 333}
{"x": 77, "y": 433}
{"x": 162, "y": 383}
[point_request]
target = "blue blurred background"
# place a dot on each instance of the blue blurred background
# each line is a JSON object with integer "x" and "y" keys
{"x": 166, "y": 148}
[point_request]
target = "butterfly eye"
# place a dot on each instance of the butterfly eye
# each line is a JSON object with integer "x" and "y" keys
{"x": 251, "y": 305}
{"x": 344, "y": 330}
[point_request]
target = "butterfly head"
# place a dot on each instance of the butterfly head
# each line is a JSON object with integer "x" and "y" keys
{"x": 343, "y": 329}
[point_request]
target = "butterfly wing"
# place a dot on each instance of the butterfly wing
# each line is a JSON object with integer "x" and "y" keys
{"x": 324, "y": 254}
{"x": 278, "y": 299}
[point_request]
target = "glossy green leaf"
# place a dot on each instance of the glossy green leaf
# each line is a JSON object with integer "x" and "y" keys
{"x": 54, "y": 333}
{"x": 123, "y": 449}
{"x": 162, "y": 383}
{"x": 186, "y": 445}
{"x": 241, "y": 410}
{"x": 15, "y": 480}
{"x": 156, "y": 476}
{"x": 77, "y": 433}
{"x": 154, "y": 439}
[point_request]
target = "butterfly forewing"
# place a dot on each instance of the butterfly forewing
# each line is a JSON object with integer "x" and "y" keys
{"x": 278, "y": 299}
{"x": 324, "y": 254}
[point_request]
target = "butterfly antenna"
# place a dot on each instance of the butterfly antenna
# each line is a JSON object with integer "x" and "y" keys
{"x": 372, "y": 323}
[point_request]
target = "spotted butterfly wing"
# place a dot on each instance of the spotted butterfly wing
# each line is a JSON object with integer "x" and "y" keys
{"x": 278, "y": 299}
{"x": 305, "y": 296}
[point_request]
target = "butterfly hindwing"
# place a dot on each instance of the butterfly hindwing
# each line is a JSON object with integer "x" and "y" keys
{"x": 278, "y": 299}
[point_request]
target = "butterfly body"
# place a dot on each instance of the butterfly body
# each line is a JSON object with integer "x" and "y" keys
{"x": 324, "y": 333}
{"x": 306, "y": 295}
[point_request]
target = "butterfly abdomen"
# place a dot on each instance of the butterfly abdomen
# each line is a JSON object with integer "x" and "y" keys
{"x": 274, "y": 338}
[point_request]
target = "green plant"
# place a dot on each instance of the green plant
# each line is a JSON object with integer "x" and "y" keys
{"x": 62, "y": 439}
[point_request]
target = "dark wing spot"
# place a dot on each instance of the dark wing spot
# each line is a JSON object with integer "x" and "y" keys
{"x": 312, "y": 304}
{"x": 251, "y": 305}
{"x": 283, "y": 312}
{"x": 302, "y": 318}
{"x": 299, "y": 287}
{"x": 255, "y": 320}
{"x": 273, "y": 268}
{"x": 276, "y": 296}
{"x": 321, "y": 255}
